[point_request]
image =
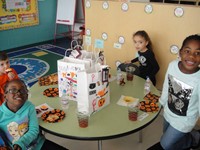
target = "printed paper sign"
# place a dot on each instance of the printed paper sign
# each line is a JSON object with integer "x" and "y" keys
{"x": 99, "y": 43}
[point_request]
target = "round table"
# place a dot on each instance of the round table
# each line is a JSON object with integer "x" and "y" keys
{"x": 110, "y": 122}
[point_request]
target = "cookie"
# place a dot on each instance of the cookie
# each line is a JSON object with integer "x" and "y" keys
{"x": 44, "y": 107}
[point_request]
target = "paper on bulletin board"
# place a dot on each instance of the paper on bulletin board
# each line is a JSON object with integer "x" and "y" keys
{"x": 18, "y": 13}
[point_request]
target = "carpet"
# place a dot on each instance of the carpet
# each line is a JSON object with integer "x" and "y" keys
{"x": 35, "y": 62}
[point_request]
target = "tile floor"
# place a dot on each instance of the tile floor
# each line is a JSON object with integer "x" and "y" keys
{"x": 151, "y": 135}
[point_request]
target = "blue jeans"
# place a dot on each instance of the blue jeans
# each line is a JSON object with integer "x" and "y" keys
{"x": 173, "y": 139}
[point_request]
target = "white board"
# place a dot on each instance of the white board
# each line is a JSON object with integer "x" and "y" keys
{"x": 66, "y": 10}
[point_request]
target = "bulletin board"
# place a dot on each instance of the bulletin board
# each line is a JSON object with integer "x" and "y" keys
{"x": 18, "y": 13}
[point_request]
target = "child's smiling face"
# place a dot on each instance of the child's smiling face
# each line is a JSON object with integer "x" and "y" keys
{"x": 190, "y": 57}
{"x": 16, "y": 95}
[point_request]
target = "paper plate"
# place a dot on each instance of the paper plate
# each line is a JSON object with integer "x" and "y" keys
{"x": 53, "y": 116}
{"x": 125, "y": 100}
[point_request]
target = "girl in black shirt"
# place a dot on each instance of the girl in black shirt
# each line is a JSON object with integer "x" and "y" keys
{"x": 148, "y": 66}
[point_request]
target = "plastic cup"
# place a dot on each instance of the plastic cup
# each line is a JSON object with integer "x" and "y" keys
{"x": 129, "y": 77}
{"x": 64, "y": 102}
{"x": 83, "y": 119}
{"x": 132, "y": 113}
{"x": 129, "y": 73}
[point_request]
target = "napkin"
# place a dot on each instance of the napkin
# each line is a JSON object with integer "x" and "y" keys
{"x": 42, "y": 108}
{"x": 125, "y": 100}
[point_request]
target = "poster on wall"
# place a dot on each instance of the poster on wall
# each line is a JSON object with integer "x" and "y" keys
{"x": 18, "y": 13}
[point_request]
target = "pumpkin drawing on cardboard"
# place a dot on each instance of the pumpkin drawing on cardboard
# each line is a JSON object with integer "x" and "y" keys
{"x": 101, "y": 93}
{"x": 101, "y": 102}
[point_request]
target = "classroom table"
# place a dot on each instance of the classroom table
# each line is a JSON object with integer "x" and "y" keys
{"x": 108, "y": 123}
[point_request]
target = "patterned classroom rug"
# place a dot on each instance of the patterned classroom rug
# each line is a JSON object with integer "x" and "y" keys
{"x": 35, "y": 62}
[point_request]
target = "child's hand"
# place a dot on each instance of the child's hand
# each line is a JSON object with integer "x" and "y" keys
{"x": 17, "y": 147}
{"x": 11, "y": 75}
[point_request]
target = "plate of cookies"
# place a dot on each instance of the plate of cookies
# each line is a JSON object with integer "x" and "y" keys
{"x": 148, "y": 106}
{"x": 53, "y": 116}
{"x": 51, "y": 92}
{"x": 48, "y": 80}
{"x": 152, "y": 97}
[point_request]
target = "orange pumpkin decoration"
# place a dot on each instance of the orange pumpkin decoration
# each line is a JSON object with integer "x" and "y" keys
{"x": 101, "y": 102}
{"x": 102, "y": 92}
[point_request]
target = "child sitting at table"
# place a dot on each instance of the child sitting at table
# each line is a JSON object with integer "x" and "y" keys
{"x": 148, "y": 64}
{"x": 6, "y": 73}
{"x": 18, "y": 120}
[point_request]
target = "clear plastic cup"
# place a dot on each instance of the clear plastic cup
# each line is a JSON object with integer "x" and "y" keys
{"x": 83, "y": 119}
{"x": 129, "y": 73}
{"x": 132, "y": 113}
